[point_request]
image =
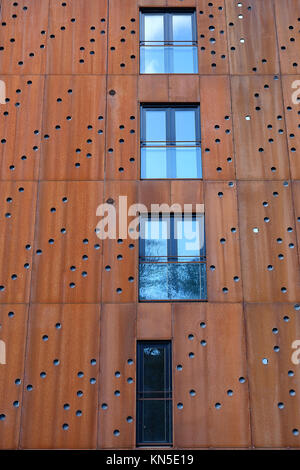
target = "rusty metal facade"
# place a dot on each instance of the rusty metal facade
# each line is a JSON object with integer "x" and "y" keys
{"x": 69, "y": 140}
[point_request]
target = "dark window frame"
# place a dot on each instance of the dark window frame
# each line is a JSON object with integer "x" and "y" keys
{"x": 166, "y": 394}
{"x": 172, "y": 254}
{"x": 168, "y": 14}
{"x": 171, "y": 141}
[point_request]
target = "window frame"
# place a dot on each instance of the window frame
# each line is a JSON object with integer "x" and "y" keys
{"x": 171, "y": 141}
{"x": 168, "y": 391}
{"x": 172, "y": 251}
{"x": 168, "y": 14}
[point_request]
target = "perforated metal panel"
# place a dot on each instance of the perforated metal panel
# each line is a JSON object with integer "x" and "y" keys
{"x": 273, "y": 377}
{"x": 210, "y": 377}
{"x": 73, "y": 133}
{"x": 287, "y": 20}
{"x": 18, "y": 202}
{"x": 216, "y": 128}
{"x": 212, "y": 37}
{"x": 291, "y": 85}
{"x": 251, "y": 30}
{"x": 224, "y": 281}
{"x": 13, "y": 330}
{"x": 61, "y": 377}
{"x": 69, "y": 140}
{"x": 77, "y": 37}
{"x": 269, "y": 253}
{"x": 118, "y": 364}
{"x": 258, "y": 111}
{"x": 21, "y": 131}
{"x": 67, "y": 252}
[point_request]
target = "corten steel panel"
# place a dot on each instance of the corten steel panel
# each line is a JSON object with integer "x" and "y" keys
{"x": 117, "y": 376}
{"x": 259, "y": 128}
{"x": 181, "y": 3}
{"x": 212, "y": 38}
{"x": 64, "y": 392}
{"x": 187, "y": 192}
{"x": 153, "y": 88}
{"x": 291, "y": 93}
{"x": 296, "y": 197}
{"x": 154, "y": 192}
{"x": 13, "y": 320}
{"x": 184, "y": 89}
{"x": 151, "y": 3}
{"x": 122, "y": 128}
{"x": 224, "y": 282}
{"x": 67, "y": 254}
{"x": 270, "y": 266}
{"x": 210, "y": 376}
{"x": 274, "y": 380}
{"x": 123, "y": 39}
{"x": 18, "y": 204}
{"x": 73, "y": 145}
{"x": 77, "y": 37}
{"x": 20, "y": 124}
{"x": 23, "y": 36}
{"x": 119, "y": 277}
{"x": 216, "y": 128}
{"x": 154, "y": 321}
{"x": 287, "y": 22}
{"x": 252, "y": 43}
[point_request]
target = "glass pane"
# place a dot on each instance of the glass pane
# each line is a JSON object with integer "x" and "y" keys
{"x": 182, "y": 27}
{"x": 184, "y": 59}
{"x": 156, "y": 125}
{"x": 188, "y": 162}
{"x": 190, "y": 236}
{"x": 152, "y": 59}
{"x": 187, "y": 281}
{"x": 154, "y": 371}
{"x": 153, "y": 281}
{"x": 156, "y": 421}
{"x": 153, "y": 162}
{"x": 185, "y": 126}
{"x": 154, "y": 27}
{"x": 155, "y": 233}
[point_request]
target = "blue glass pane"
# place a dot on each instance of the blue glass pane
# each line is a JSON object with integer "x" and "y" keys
{"x": 155, "y": 233}
{"x": 176, "y": 162}
{"x": 189, "y": 234}
{"x": 153, "y": 162}
{"x": 188, "y": 162}
{"x": 185, "y": 126}
{"x": 152, "y": 59}
{"x": 155, "y": 126}
{"x": 182, "y": 27}
{"x": 184, "y": 59}
{"x": 153, "y": 281}
{"x": 153, "y": 27}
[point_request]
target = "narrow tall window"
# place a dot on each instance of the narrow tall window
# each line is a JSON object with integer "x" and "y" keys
{"x": 170, "y": 142}
{"x": 154, "y": 393}
{"x": 168, "y": 41}
{"x": 172, "y": 257}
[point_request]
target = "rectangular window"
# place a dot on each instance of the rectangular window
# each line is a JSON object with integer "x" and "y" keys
{"x": 170, "y": 142}
{"x": 168, "y": 41}
{"x": 172, "y": 257}
{"x": 154, "y": 393}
